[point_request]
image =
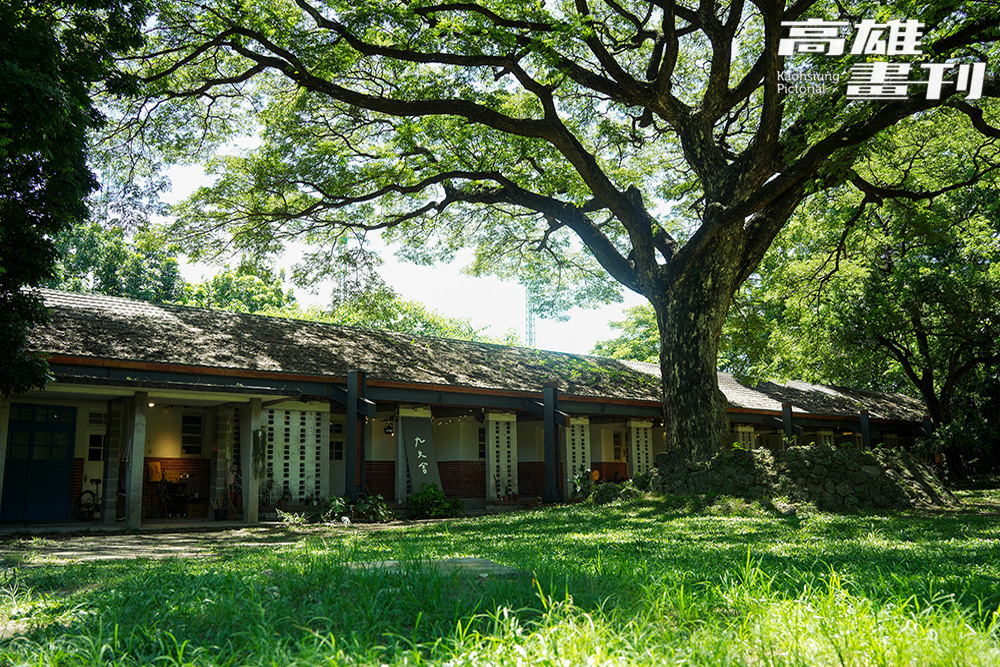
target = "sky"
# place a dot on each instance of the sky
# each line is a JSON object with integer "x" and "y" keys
{"x": 487, "y": 302}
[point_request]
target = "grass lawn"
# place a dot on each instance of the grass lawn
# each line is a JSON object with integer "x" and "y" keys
{"x": 653, "y": 582}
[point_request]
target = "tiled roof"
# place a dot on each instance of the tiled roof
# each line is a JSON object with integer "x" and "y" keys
{"x": 87, "y": 325}
{"x": 807, "y": 398}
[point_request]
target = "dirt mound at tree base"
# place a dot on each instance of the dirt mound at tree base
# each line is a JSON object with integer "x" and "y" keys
{"x": 830, "y": 478}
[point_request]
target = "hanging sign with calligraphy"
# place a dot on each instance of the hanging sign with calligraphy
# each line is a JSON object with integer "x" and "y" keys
{"x": 420, "y": 457}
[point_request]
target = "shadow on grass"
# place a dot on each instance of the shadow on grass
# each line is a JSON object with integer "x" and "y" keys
{"x": 254, "y": 603}
{"x": 276, "y": 599}
{"x": 882, "y": 555}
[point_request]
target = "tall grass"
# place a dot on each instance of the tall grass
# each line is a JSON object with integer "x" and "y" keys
{"x": 655, "y": 582}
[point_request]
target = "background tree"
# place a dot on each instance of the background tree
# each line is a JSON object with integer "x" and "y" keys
{"x": 383, "y": 308}
{"x": 95, "y": 259}
{"x": 895, "y": 285}
{"x": 892, "y": 285}
{"x": 639, "y": 339}
{"x": 249, "y": 288}
{"x": 51, "y": 54}
{"x": 648, "y": 142}
{"x": 102, "y": 260}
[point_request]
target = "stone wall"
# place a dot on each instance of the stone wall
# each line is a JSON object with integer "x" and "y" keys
{"x": 831, "y": 478}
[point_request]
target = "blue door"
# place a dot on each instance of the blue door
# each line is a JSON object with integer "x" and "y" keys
{"x": 38, "y": 472}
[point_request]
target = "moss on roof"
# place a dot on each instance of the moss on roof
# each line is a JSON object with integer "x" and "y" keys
{"x": 102, "y": 327}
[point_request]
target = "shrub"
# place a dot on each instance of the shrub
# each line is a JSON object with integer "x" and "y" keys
{"x": 332, "y": 509}
{"x": 629, "y": 492}
{"x": 644, "y": 480}
{"x": 583, "y": 483}
{"x": 604, "y": 493}
{"x": 611, "y": 491}
{"x": 374, "y": 509}
{"x": 429, "y": 503}
{"x": 291, "y": 518}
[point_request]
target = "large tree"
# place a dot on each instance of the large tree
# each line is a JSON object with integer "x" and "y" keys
{"x": 892, "y": 282}
{"x": 896, "y": 285}
{"x": 51, "y": 54}
{"x": 645, "y": 141}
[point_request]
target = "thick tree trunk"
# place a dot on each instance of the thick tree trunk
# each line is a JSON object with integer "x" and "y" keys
{"x": 940, "y": 413}
{"x": 690, "y": 315}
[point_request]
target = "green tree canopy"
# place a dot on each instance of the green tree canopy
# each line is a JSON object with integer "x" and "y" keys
{"x": 386, "y": 310}
{"x": 245, "y": 289}
{"x": 99, "y": 259}
{"x": 51, "y": 53}
{"x": 102, "y": 260}
{"x": 574, "y": 144}
{"x": 639, "y": 339}
{"x": 892, "y": 284}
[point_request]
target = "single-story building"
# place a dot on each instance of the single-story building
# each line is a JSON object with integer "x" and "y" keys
{"x": 183, "y": 408}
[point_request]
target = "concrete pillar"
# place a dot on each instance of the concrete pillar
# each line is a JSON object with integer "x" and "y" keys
{"x": 550, "y": 404}
{"x": 135, "y": 460}
{"x": 222, "y": 455}
{"x": 114, "y": 440}
{"x": 4, "y": 421}
{"x": 250, "y": 425}
{"x": 251, "y": 437}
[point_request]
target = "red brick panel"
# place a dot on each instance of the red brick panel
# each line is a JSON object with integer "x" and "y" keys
{"x": 199, "y": 474}
{"x": 530, "y": 479}
{"x": 77, "y": 487}
{"x": 612, "y": 471}
{"x": 380, "y": 479}
{"x": 463, "y": 479}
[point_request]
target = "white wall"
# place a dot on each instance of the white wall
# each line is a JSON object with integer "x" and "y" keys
{"x": 530, "y": 441}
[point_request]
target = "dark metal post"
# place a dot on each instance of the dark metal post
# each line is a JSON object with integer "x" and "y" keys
{"x": 866, "y": 430}
{"x": 351, "y": 438}
{"x": 356, "y": 437}
{"x": 550, "y": 402}
{"x": 786, "y": 421}
{"x": 364, "y": 436}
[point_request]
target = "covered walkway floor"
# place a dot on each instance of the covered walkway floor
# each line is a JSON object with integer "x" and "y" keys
{"x": 25, "y": 546}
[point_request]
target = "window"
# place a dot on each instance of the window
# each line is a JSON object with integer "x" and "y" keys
{"x": 95, "y": 447}
{"x": 20, "y": 439}
{"x": 620, "y": 449}
{"x": 337, "y": 441}
{"x": 191, "y": 435}
{"x": 482, "y": 443}
{"x": 96, "y": 425}
{"x": 58, "y": 415}
{"x": 21, "y": 413}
